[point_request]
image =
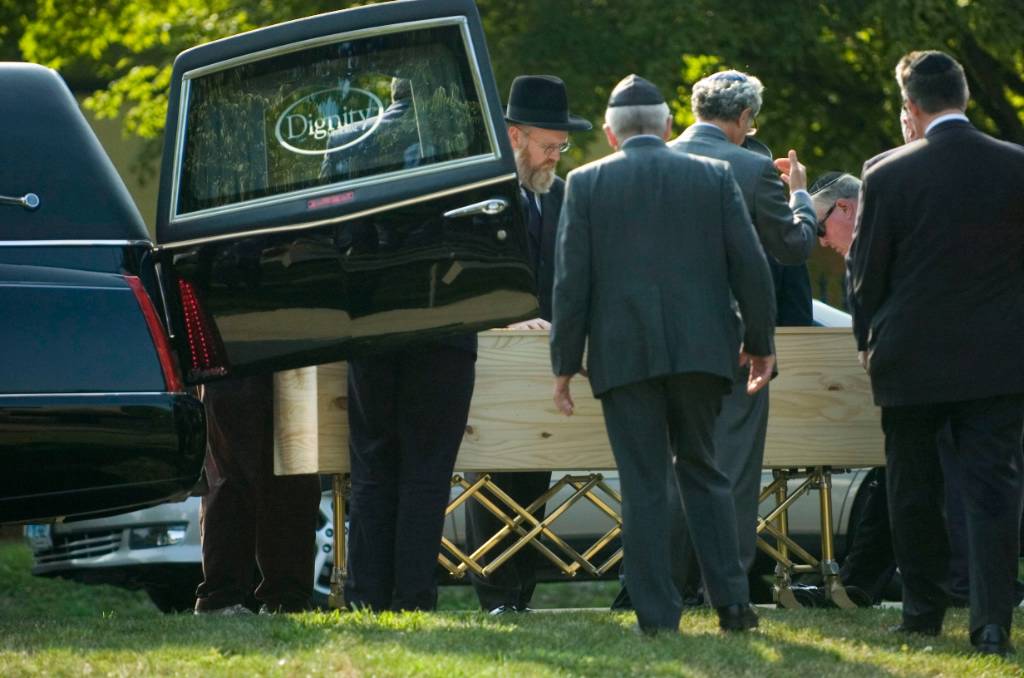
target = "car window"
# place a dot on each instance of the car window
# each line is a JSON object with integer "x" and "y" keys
{"x": 343, "y": 110}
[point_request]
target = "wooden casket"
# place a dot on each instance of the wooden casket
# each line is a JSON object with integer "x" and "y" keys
{"x": 821, "y": 411}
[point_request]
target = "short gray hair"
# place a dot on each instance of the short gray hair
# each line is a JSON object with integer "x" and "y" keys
{"x": 724, "y": 95}
{"x": 629, "y": 121}
{"x": 841, "y": 187}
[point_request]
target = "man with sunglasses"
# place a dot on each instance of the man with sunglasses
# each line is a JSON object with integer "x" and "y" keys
{"x": 726, "y": 105}
{"x": 835, "y": 199}
{"x": 539, "y": 123}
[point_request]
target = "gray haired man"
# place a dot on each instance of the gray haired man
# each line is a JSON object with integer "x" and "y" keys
{"x": 725, "y": 105}
{"x": 652, "y": 246}
{"x": 835, "y": 202}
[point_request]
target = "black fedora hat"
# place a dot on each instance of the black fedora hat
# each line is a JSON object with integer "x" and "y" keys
{"x": 541, "y": 101}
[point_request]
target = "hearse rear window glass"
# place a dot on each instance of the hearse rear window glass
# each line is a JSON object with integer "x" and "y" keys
{"x": 348, "y": 110}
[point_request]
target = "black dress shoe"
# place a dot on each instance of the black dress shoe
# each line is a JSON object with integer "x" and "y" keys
{"x": 736, "y": 617}
{"x": 693, "y": 599}
{"x": 991, "y": 639}
{"x": 907, "y": 628}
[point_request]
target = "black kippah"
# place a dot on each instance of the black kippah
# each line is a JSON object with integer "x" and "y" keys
{"x": 824, "y": 181}
{"x": 635, "y": 91}
{"x": 933, "y": 63}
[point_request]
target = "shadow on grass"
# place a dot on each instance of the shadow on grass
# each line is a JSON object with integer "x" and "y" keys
{"x": 876, "y": 629}
{"x": 589, "y": 643}
{"x": 577, "y": 643}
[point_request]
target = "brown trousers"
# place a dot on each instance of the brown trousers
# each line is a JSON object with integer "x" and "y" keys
{"x": 251, "y": 518}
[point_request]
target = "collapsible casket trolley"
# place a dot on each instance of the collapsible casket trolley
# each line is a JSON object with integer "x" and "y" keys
{"x": 821, "y": 420}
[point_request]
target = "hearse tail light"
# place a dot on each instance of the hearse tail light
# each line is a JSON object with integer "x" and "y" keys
{"x": 172, "y": 379}
{"x": 204, "y": 343}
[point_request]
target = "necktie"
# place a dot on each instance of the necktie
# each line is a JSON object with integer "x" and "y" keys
{"x": 533, "y": 228}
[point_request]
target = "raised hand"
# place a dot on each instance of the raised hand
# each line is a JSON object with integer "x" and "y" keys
{"x": 793, "y": 172}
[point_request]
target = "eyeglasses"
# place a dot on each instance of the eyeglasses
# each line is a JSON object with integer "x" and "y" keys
{"x": 549, "y": 149}
{"x": 824, "y": 218}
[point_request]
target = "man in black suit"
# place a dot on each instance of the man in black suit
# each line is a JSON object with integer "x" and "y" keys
{"x": 251, "y": 518}
{"x": 725, "y": 105}
{"x": 407, "y": 408}
{"x": 539, "y": 125}
{"x": 936, "y": 281}
{"x": 652, "y": 247}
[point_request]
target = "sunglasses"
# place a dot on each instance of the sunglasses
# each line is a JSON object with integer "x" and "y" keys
{"x": 824, "y": 219}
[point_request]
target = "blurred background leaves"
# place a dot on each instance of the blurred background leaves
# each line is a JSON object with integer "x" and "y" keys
{"x": 827, "y": 66}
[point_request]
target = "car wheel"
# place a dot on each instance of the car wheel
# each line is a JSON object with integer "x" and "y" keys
{"x": 171, "y": 600}
{"x": 320, "y": 601}
{"x": 857, "y": 511}
{"x": 175, "y": 593}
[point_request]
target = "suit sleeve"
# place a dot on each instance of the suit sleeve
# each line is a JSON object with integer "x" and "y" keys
{"x": 788, "y": 228}
{"x": 749, "y": 275}
{"x": 571, "y": 296}
{"x": 867, "y": 265}
{"x": 793, "y": 298}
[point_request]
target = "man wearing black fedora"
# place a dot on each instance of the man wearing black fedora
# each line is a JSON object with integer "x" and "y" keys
{"x": 539, "y": 123}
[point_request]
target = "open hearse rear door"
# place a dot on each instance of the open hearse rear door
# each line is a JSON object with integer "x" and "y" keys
{"x": 338, "y": 184}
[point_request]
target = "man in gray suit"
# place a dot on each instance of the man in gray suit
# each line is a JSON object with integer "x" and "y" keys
{"x": 652, "y": 246}
{"x": 725, "y": 105}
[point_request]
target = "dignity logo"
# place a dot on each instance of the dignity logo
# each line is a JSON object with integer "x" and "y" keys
{"x": 305, "y": 124}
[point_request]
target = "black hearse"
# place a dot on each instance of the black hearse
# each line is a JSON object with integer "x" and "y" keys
{"x": 331, "y": 185}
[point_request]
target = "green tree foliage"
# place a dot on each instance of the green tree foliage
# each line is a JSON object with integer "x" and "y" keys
{"x": 827, "y": 66}
{"x": 14, "y": 15}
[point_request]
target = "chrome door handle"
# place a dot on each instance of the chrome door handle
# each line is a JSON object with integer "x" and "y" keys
{"x": 488, "y": 207}
{"x": 29, "y": 201}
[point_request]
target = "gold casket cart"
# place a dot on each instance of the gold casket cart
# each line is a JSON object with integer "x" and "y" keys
{"x": 821, "y": 420}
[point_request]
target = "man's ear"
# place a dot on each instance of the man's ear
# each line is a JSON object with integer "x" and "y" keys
{"x": 514, "y": 135}
{"x": 668, "y": 129}
{"x": 849, "y": 206}
{"x": 610, "y": 135}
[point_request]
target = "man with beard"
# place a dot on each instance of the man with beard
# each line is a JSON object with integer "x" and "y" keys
{"x": 539, "y": 125}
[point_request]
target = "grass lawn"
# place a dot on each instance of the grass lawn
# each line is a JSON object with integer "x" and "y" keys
{"x": 50, "y": 628}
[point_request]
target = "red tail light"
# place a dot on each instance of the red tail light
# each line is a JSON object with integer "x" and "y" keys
{"x": 204, "y": 343}
{"x": 172, "y": 379}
